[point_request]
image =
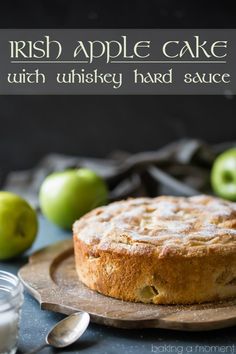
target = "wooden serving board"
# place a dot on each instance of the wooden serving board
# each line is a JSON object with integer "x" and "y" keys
{"x": 51, "y": 278}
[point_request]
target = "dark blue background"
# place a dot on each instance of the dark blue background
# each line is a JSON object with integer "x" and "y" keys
{"x": 31, "y": 126}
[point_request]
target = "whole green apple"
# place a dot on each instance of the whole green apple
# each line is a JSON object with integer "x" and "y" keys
{"x": 223, "y": 175}
{"x": 18, "y": 225}
{"x": 66, "y": 196}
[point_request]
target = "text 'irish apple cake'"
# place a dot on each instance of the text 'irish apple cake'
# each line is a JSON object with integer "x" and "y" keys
{"x": 165, "y": 250}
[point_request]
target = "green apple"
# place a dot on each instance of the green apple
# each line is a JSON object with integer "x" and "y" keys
{"x": 223, "y": 175}
{"x": 66, "y": 196}
{"x": 18, "y": 225}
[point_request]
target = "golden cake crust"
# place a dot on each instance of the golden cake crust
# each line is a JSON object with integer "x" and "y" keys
{"x": 163, "y": 250}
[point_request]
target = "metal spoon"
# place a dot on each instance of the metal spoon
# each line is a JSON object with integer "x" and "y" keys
{"x": 66, "y": 332}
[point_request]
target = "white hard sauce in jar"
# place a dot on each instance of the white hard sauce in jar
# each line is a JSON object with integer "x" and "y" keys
{"x": 11, "y": 299}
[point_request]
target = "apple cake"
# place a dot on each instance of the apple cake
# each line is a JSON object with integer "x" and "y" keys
{"x": 164, "y": 250}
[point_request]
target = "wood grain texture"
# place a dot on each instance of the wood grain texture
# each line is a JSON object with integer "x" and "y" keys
{"x": 51, "y": 278}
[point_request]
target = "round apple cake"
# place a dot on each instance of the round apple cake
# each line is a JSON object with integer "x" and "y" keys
{"x": 164, "y": 250}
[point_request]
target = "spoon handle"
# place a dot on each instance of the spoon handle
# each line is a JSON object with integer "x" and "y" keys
{"x": 38, "y": 349}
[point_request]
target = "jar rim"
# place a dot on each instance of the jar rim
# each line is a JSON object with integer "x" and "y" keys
{"x": 14, "y": 291}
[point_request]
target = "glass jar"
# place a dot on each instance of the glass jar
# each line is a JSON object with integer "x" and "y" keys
{"x": 11, "y": 299}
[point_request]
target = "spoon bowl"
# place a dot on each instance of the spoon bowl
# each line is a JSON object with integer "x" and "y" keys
{"x": 69, "y": 330}
{"x": 66, "y": 332}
